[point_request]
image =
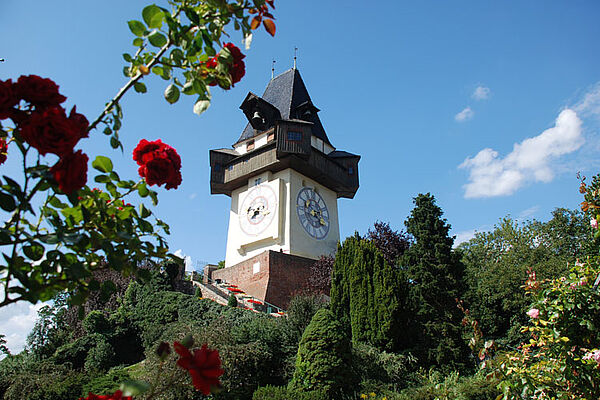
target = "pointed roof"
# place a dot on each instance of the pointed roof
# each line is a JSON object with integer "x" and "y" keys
{"x": 289, "y": 95}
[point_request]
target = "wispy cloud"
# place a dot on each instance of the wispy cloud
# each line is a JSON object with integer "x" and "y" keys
{"x": 464, "y": 115}
{"x": 16, "y": 321}
{"x": 589, "y": 106}
{"x": 464, "y": 236}
{"x": 481, "y": 93}
{"x": 491, "y": 175}
{"x": 530, "y": 212}
{"x": 193, "y": 196}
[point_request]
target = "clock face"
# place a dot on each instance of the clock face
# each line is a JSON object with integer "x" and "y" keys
{"x": 258, "y": 210}
{"x": 313, "y": 213}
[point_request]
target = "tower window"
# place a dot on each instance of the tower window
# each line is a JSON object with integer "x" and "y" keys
{"x": 257, "y": 181}
{"x": 294, "y": 136}
{"x": 351, "y": 170}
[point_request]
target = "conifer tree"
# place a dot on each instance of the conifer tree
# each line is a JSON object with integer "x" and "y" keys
{"x": 435, "y": 276}
{"x": 324, "y": 358}
{"x": 366, "y": 295}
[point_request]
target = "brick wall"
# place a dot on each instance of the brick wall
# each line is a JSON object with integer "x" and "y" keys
{"x": 270, "y": 276}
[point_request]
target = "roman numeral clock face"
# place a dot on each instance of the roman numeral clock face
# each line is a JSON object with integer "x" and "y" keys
{"x": 258, "y": 210}
{"x": 313, "y": 213}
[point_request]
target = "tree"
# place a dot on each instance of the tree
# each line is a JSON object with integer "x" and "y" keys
{"x": 367, "y": 295}
{"x": 319, "y": 280}
{"x": 392, "y": 244}
{"x": 324, "y": 358}
{"x": 435, "y": 276}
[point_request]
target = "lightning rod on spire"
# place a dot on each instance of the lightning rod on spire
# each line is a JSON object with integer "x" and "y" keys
{"x": 295, "y": 54}
{"x": 273, "y": 69}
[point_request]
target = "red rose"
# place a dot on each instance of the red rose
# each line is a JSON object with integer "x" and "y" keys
{"x": 3, "y": 150}
{"x": 204, "y": 366}
{"x": 238, "y": 68}
{"x": 70, "y": 172}
{"x": 40, "y": 92}
{"x": 50, "y": 131}
{"x": 8, "y": 99}
{"x": 159, "y": 163}
{"x": 118, "y": 395}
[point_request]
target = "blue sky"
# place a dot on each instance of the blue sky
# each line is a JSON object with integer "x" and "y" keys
{"x": 491, "y": 107}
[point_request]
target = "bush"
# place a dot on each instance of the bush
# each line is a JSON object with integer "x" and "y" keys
{"x": 282, "y": 393}
{"x": 232, "y": 301}
{"x": 100, "y": 357}
{"x": 107, "y": 383}
{"x": 96, "y": 322}
{"x": 301, "y": 310}
{"x": 436, "y": 386}
{"x": 324, "y": 358}
{"x": 379, "y": 369}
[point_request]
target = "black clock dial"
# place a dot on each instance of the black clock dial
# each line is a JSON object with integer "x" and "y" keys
{"x": 312, "y": 213}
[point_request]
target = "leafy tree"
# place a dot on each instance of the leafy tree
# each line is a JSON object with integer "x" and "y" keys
{"x": 3, "y": 349}
{"x": 319, "y": 280}
{"x": 324, "y": 358}
{"x": 301, "y": 310}
{"x": 392, "y": 244}
{"x": 435, "y": 276}
{"x": 366, "y": 295}
{"x": 496, "y": 265}
{"x": 50, "y": 330}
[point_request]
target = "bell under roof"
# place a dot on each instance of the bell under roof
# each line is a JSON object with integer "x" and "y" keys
{"x": 288, "y": 94}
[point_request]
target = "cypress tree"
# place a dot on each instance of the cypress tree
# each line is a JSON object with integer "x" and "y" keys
{"x": 435, "y": 276}
{"x": 324, "y": 358}
{"x": 367, "y": 296}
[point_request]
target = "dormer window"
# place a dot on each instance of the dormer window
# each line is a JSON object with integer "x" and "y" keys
{"x": 294, "y": 136}
{"x": 250, "y": 145}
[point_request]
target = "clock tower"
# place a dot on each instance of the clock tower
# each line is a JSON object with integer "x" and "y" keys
{"x": 284, "y": 178}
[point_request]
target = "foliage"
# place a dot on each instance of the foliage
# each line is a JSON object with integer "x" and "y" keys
{"x": 367, "y": 296}
{"x": 301, "y": 310}
{"x": 392, "y": 244}
{"x": 496, "y": 263}
{"x": 50, "y": 330}
{"x": 283, "y": 393}
{"x": 319, "y": 280}
{"x": 435, "y": 386}
{"x": 562, "y": 357}
{"x": 379, "y": 369}
{"x": 232, "y": 301}
{"x": 107, "y": 383}
{"x": 324, "y": 358}
{"x": 435, "y": 276}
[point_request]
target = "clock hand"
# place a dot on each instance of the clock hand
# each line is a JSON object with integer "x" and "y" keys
{"x": 322, "y": 221}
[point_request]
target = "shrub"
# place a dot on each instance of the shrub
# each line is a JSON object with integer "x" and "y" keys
{"x": 283, "y": 393}
{"x": 100, "y": 357}
{"x": 107, "y": 383}
{"x": 96, "y": 322}
{"x": 301, "y": 310}
{"x": 232, "y": 301}
{"x": 324, "y": 358}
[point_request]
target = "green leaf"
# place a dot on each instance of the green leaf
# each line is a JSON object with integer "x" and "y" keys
{"x": 144, "y": 212}
{"x": 34, "y": 252}
{"x": 140, "y": 87}
{"x": 127, "y": 57}
{"x": 137, "y": 42}
{"x": 102, "y": 179}
{"x": 143, "y": 190}
{"x": 107, "y": 131}
{"x": 157, "y": 39}
{"x": 56, "y": 203}
{"x": 136, "y": 27}
{"x": 103, "y": 164}
{"x": 192, "y": 16}
{"x": 153, "y": 16}
{"x": 201, "y": 106}
{"x": 172, "y": 93}
{"x": 49, "y": 239}
{"x": 115, "y": 143}
{"x": 7, "y": 203}
{"x": 114, "y": 176}
{"x": 154, "y": 197}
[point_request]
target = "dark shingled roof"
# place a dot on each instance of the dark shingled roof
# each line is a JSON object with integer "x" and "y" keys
{"x": 287, "y": 92}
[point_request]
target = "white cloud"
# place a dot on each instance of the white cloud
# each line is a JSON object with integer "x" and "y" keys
{"x": 464, "y": 115}
{"x": 530, "y": 212}
{"x": 491, "y": 175}
{"x": 464, "y": 236}
{"x": 16, "y": 321}
{"x": 186, "y": 259}
{"x": 481, "y": 93}
{"x": 193, "y": 196}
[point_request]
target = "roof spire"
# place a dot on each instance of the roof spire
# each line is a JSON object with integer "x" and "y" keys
{"x": 273, "y": 69}
{"x": 295, "y": 52}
